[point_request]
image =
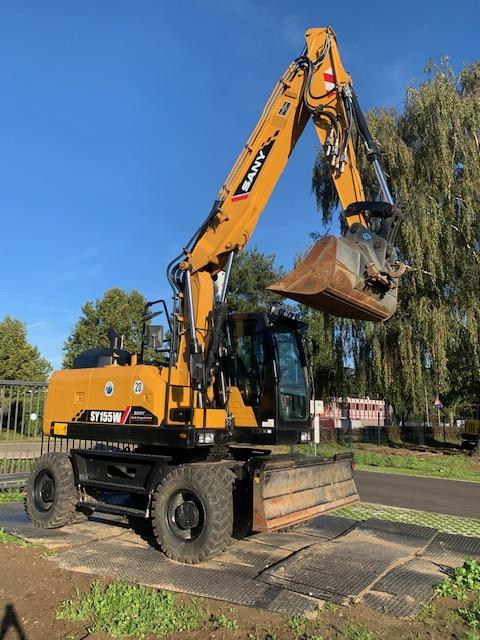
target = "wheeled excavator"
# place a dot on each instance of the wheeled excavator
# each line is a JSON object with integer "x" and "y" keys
{"x": 185, "y": 442}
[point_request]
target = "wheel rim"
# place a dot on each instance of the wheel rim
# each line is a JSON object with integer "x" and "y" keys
{"x": 185, "y": 515}
{"x": 44, "y": 490}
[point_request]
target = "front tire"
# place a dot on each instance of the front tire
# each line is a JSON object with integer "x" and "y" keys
{"x": 192, "y": 512}
{"x": 50, "y": 494}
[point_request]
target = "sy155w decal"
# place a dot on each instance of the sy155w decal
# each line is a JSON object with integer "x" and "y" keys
{"x": 129, "y": 415}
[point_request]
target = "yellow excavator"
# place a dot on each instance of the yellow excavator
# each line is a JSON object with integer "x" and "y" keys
{"x": 183, "y": 442}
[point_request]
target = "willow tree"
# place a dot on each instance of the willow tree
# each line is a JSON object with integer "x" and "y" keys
{"x": 431, "y": 155}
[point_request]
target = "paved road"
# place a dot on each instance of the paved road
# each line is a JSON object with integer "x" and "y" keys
{"x": 428, "y": 494}
{"x": 19, "y": 449}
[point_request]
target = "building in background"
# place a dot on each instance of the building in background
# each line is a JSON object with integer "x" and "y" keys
{"x": 351, "y": 413}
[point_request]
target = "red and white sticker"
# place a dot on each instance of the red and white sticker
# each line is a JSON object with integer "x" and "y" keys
{"x": 240, "y": 196}
{"x": 125, "y": 415}
{"x": 329, "y": 79}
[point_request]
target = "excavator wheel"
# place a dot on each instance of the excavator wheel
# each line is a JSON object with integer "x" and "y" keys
{"x": 192, "y": 512}
{"x": 50, "y": 494}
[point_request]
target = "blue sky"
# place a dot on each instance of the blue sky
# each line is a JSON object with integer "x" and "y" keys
{"x": 119, "y": 121}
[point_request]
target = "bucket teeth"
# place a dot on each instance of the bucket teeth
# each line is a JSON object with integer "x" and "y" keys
{"x": 333, "y": 278}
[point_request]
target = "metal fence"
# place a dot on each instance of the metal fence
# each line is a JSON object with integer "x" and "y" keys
{"x": 443, "y": 436}
{"x": 21, "y": 441}
{"x": 21, "y": 418}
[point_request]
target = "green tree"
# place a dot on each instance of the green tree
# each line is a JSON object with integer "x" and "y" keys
{"x": 252, "y": 272}
{"x": 117, "y": 309}
{"x": 20, "y": 360}
{"x": 431, "y": 154}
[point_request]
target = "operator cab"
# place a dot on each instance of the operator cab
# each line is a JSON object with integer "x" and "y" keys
{"x": 268, "y": 366}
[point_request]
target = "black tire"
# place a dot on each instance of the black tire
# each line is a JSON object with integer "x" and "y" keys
{"x": 50, "y": 494}
{"x": 192, "y": 512}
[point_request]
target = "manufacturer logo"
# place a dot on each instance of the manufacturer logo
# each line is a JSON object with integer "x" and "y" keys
{"x": 137, "y": 387}
{"x": 366, "y": 236}
{"x": 252, "y": 173}
{"x": 109, "y": 388}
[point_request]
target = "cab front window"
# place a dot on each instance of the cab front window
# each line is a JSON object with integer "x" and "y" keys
{"x": 291, "y": 374}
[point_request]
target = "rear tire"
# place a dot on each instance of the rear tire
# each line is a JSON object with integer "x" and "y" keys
{"x": 192, "y": 512}
{"x": 50, "y": 494}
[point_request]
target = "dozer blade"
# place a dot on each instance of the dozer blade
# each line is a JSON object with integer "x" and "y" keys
{"x": 331, "y": 278}
{"x": 288, "y": 490}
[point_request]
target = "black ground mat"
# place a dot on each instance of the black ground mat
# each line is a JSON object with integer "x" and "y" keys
{"x": 398, "y": 532}
{"x": 450, "y": 550}
{"x": 327, "y": 526}
{"x": 340, "y": 570}
{"x": 14, "y": 520}
{"x": 292, "y": 540}
{"x": 388, "y": 566}
{"x": 235, "y": 583}
{"x": 404, "y": 590}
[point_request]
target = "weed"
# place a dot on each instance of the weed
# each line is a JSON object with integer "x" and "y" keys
{"x": 429, "y": 610}
{"x": 471, "y": 615}
{"x": 296, "y": 623}
{"x": 466, "y": 578}
{"x": 50, "y": 553}
{"x": 9, "y": 538}
{"x": 223, "y": 621}
{"x": 330, "y": 606}
{"x": 10, "y": 496}
{"x": 124, "y": 610}
{"x": 352, "y": 632}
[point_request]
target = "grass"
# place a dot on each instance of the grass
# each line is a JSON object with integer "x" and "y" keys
{"x": 443, "y": 523}
{"x": 465, "y": 579}
{"x": 6, "y": 497}
{"x": 10, "y": 435}
{"x": 464, "y": 583}
{"x": 296, "y": 624}
{"x": 15, "y": 465}
{"x": 223, "y": 621}
{"x": 471, "y": 615}
{"x": 9, "y": 538}
{"x": 126, "y": 611}
{"x": 353, "y": 632}
{"x": 456, "y": 466}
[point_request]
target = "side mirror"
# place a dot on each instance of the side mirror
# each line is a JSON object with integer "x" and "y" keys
{"x": 155, "y": 337}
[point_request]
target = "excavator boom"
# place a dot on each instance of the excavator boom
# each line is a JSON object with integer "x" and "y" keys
{"x": 355, "y": 276}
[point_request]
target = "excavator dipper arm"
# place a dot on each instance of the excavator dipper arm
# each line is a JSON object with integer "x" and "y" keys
{"x": 355, "y": 275}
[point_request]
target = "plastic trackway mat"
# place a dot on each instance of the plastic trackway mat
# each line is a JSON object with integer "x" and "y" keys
{"x": 387, "y": 565}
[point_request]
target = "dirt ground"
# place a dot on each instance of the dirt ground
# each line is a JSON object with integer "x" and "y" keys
{"x": 32, "y": 587}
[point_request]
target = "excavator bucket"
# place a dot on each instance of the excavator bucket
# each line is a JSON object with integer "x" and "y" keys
{"x": 288, "y": 490}
{"x": 332, "y": 278}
